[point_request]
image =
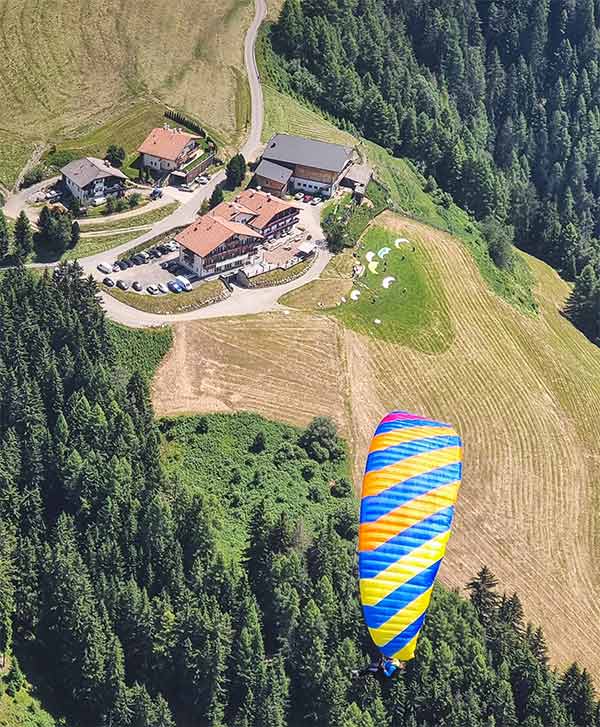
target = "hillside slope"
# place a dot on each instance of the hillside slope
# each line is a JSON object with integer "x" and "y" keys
{"x": 71, "y": 66}
{"x": 524, "y": 392}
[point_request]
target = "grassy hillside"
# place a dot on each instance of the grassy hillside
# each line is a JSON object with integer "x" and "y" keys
{"x": 73, "y": 66}
{"x": 523, "y": 391}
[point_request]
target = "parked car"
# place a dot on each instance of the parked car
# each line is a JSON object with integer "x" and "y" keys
{"x": 116, "y": 267}
{"x": 175, "y": 287}
{"x": 163, "y": 288}
{"x": 109, "y": 282}
{"x": 152, "y": 289}
{"x": 315, "y": 201}
{"x": 104, "y": 268}
{"x": 123, "y": 284}
{"x": 203, "y": 180}
{"x": 122, "y": 264}
{"x": 153, "y": 254}
{"x": 299, "y": 196}
{"x": 136, "y": 285}
{"x": 185, "y": 188}
{"x": 307, "y": 198}
{"x": 163, "y": 248}
{"x": 128, "y": 263}
{"x": 138, "y": 259}
{"x": 184, "y": 282}
{"x": 164, "y": 265}
{"x": 172, "y": 265}
{"x": 156, "y": 193}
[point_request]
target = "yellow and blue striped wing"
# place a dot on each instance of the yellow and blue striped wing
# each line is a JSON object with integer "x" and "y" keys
{"x": 410, "y": 487}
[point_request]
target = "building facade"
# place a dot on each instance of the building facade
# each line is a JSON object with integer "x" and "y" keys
{"x": 166, "y": 149}
{"x": 295, "y": 164}
{"x": 90, "y": 179}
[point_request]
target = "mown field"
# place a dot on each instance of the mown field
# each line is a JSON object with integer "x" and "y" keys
{"x": 524, "y": 392}
{"x": 71, "y": 68}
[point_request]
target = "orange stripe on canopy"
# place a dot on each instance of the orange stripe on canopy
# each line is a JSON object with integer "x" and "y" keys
{"x": 374, "y": 534}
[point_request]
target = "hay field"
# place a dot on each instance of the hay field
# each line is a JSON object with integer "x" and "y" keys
{"x": 71, "y": 65}
{"x": 523, "y": 391}
{"x": 283, "y": 367}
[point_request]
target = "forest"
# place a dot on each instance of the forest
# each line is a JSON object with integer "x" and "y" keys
{"x": 125, "y": 600}
{"x": 498, "y": 101}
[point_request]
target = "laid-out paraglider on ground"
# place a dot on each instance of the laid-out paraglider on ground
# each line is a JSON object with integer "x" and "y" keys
{"x": 397, "y": 297}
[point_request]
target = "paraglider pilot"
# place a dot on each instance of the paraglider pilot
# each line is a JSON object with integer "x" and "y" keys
{"x": 384, "y": 666}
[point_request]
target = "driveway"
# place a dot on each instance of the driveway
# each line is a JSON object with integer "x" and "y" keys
{"x": 240, "y": 303}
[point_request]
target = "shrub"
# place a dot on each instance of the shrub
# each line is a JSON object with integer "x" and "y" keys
{"x": 320, "y": 440}
{"x": 342, "y": 488}
{"x": 259, "y": 444}
{"x": 314, "y": 494}
{"x": 115, "y": 155}
{"x": 308, "y": 472}
{"x": 134, "y": 199}
{"x": 202, "y": 425}
{"x": 33, "y": 176}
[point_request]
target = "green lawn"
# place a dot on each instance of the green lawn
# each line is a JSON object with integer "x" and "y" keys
{"x": 213, "y": 455}
{"x": 144, "y": 218}
{"x": 200, "y": 296}
{"x": 23, "y": 710}
{"x": 140, "y": 349}
{"x": 413, "y": 310}
{"x": 100, "y": 211}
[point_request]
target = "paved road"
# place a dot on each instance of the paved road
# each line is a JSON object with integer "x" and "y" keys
{"x": 16, "y": 202}
{"x": 241, "y": 302}
{"x": 251, "y": 148}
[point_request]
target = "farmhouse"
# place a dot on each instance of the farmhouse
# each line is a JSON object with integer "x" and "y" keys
{"x": 264, "y": 213}
{"x": 293, "y": 163}
{"x": 223, "y": 240}
{"x": 213, "y": 245}
{"x": 166, "y": 149}
{"x": 90, "y": 178}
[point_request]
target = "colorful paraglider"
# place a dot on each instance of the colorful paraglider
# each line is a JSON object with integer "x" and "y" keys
{"x": 410, "y": 487}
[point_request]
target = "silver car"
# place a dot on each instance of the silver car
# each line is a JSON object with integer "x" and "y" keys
{"x": 163, "y": 288}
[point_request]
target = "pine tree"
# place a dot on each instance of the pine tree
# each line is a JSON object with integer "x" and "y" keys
{"x": 23, "y": 236}
{"x": 216, "y": 197}
{"x": 483, "y": 595}
{"x": 75, "y": 234}
{"x": 4, "y": 236}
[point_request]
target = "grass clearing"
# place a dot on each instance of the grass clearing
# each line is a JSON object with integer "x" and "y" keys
{"x": 140, "y": 349}
{"x": 198, "y": 297}
{"x": 413, "y": 311}
{"x": 214, "y": 455}
{"x": 326, "y": 291}
{"x": 144, "y": 218}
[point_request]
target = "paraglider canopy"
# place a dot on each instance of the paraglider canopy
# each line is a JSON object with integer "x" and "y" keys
{"x": 410, "y": 487}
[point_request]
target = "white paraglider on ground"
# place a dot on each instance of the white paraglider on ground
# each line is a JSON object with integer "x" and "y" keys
{"x": 343, "y": 299}
{"x": 400, "y": 241}
{"x": 355, "y": 294}
{"x": 384, "y": 251}
{"x": 373, "y": 267}
{"x": 369, "y": 256}
{"x": 377, "y": 322}
{"x": 388, "y": 281}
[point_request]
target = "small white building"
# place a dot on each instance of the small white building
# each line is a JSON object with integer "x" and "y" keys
{"x": 166, "y": 149}
{"x": 89, "y": 178}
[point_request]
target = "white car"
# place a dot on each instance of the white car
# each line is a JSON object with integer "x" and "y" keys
{"x": 203, "y": 180}
{"x": 106, "y": 269}
{"x": 299, "y": 196}
{"x": 184, "y": 282}
{"x": 163, "y": 288}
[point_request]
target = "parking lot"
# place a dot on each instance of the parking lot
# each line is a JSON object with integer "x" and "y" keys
{"x": 151, "y": 272}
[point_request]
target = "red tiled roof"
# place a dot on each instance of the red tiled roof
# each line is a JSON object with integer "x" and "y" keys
{"x": 261, "y": 205}
{"x": 166, "y": 143}
{"x": 210, "y": 231}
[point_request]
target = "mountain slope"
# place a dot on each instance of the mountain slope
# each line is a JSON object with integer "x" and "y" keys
{"x": 71, "y": 66}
